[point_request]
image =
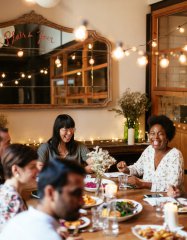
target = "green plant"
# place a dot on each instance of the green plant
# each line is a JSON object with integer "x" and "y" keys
{"x": 132, "y": 106}
{"x": 3, "y": 121}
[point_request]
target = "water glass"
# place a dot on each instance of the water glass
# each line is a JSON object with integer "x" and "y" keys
{"x": 159, "y": 207}
{"x": 96, "y": 218}
{"x": 110, "y": 224}
{"x": 123, "y": 180}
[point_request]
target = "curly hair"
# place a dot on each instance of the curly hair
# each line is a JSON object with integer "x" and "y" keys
{"x": 165, "y": 122}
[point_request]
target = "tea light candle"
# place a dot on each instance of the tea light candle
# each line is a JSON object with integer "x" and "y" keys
{"x": 171, "y": 215}
{"x": 110, "y": 190}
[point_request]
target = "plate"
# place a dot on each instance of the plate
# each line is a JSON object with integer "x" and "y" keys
{"x": 182, "y": 210}
{"x": 98, "y": 201}
{"x": 138, "y": 209}
{"x": 86, "y": 222}
{"x": 92, "y": 180}
{"x": 156, "y": 227}
{"x": 113, "y": 174}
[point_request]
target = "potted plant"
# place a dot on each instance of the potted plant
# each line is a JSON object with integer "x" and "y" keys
{"x": 132, "y": 106}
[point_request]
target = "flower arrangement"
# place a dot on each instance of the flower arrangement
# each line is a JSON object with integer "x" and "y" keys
{"x": 133, "y": 105}
{"x": 101, "y": 161}
{"x": 3, "y": 121}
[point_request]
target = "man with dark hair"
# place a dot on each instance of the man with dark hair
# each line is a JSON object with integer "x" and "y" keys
{"x": 4, "y": 143}
{"x": 60, "y": 188}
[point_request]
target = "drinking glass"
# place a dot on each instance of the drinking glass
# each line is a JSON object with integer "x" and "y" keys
{"x": 123, "y": 180}
{"x": 96, "y": 218}
{"x": 159, "y": 208}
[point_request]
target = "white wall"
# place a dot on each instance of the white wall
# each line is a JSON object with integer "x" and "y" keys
{"x": 122, "y": 20}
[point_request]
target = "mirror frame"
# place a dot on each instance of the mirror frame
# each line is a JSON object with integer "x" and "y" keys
{"x": 35, "y": 18}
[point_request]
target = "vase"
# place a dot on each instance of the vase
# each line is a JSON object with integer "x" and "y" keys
{"x": 98, "y": 181}
{"x": 125, "y": 132}
{"x": 131, "y": 136}
{"x": 136, "y": 131}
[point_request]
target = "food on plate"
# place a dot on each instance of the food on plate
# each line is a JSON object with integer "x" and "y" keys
{"x": 88, "y": 200}
{"x": 123, "y": 208}
{"x": 93, "y": 185}
{"x": 73, "y": 224}
{"x": 151, "y": 233}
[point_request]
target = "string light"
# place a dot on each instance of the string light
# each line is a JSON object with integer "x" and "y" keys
{"x": 45, "y": 72}
{"x": 126, "y": 53}
{"x": 59, "y": 65}
{"x": 3, "y": 75}
{"x": 134, "y": 49}
{"x": 182, "y": 58}
{"x": 140, "y": 52}
{"x": 41, "y": 71}
{"x": 78, "y": 73}
{"x": 57, "y": 61}
{"x": 20, "y": 53}
{"x": 181, "y": 29}
{"x": 73, "y": 57}
{"x": 1, "y": 84}
{"x": 164, "y": 62}
{"x": 16, "y": 82}
{"x": 90, "y": 46}
{"x": 142, "y": 60}
{"x": 185, "y": 48}
{"x": 91, "y": 61}
{"x": 118, "y": 52}
{"x": 23, "y": 75}
{"x": 154, "y": 44}
{"x": 29, "y": 76}
{"x": 81, "y": 32}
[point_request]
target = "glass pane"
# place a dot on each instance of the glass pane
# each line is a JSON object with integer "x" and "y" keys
{"x": 98, "y": 52}
{"x": 98, "y": 79}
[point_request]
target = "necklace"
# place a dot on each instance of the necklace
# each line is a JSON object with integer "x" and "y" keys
{"x": 62, "y": 151}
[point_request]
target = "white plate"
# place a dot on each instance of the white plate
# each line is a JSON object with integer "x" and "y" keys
{"x": 182, "y": 209}
{"x": 98, "y": 202}
{"x": 104, "y": 181}
{"x": 157, "y": 227}
{"x": 138, "y": 209}
{"x": 85, "y": 224}
{"x": 113, "y": 174}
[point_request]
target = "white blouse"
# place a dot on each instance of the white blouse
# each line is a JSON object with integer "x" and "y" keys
{"x": 169, "y": 171}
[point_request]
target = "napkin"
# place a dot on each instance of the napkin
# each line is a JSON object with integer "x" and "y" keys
{"x": 154, "y": 201}
{"x": 113, "y": 174}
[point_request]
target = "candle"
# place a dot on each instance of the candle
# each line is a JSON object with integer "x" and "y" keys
{"x": 171, "y": 215}
{"x": 110, "y": 190}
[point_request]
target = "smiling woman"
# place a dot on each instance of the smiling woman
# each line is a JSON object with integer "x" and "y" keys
{"x": 42, "y": 65}
{"x": 159, "y": 165}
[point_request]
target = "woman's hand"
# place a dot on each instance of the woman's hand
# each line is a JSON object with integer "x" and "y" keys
{"x": 173, "y": 191}
{"x": 122, "y": 166}
{"x": 134, "y": 181}
{"x": 88, "y": 169}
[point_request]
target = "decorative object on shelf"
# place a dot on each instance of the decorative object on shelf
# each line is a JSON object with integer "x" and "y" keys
{"x": 133, "y": 105}
{"x": 101, "y": 162}
{"x": 3, "y": 121}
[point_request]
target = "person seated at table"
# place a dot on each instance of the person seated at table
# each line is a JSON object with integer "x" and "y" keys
{"x": 19, "y": 167}
{"x": 60, "y": 187}
{"x": 159, "y": 165}
{"x": 62, "y": 144}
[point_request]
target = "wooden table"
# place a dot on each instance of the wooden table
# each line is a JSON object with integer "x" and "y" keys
{"x": 147, "y": 216}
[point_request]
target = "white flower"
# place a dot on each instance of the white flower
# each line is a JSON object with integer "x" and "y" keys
{"x": 101, "y": 160}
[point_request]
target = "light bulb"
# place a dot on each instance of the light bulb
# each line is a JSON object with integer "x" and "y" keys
{"x": 16, "y": 82}
{"x": 127, "y": 53}
{"x": 78, "y": 73}
{"x": 90, "y": 46}
{"x": 185, "y": 48}
{"x": 181, "y": 29}
{"x": 154, "y": 43}
{"x": 59, "y": 65}
{"x": 45, "y": 72}
{"x": 91, "y": 61}
{"x": 29, "y": 76}
{"x": 81, "y": 32}
{"x": 20, "y": 53}
{"x": 134, "y": 49}
{"x": 140, "y": 52}
{"x": 142, "y": 61}
{"x": 118, "y": 52}
{"x": 164, "y": 62}
{"x": 57, "y": 61}
{"x": 22, "y": 75}
{"x": 73, "y": 57}
{"x": 41, "y": 71}
{"x": 156, "y": 53}
{"x": 3, "y": 75}
{"x": 182, "y": 58}
{"x": 1, "y": 84}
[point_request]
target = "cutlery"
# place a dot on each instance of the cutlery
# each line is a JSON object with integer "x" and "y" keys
{"x": 90, "y": 230}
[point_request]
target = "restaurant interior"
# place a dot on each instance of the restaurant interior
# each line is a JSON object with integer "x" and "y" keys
{"x": 84, "y": 58}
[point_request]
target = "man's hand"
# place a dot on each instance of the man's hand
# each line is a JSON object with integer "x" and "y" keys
{"x": 122, "y": 166}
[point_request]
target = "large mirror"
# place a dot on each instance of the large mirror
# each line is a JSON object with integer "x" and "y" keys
{"x": 41, "y": 65}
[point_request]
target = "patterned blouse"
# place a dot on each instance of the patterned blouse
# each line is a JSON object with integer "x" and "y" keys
{"x": 169, "y": 171}
{"x": 11, "y": 203}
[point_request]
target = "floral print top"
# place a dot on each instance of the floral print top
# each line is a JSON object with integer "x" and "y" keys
{"x": 11, "y": 203}
{"x": 169, "y": 171}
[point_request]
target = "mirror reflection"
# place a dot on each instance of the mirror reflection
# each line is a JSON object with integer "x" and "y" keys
{"x": 42, "y": 64}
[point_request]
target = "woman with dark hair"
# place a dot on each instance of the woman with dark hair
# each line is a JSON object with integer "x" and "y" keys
{"x": 20, "y": 169}
{"x": 62, "y": 144}
{"x": 159, "y": 165}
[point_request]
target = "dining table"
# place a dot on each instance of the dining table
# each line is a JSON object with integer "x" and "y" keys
{"x": 146, "y": 217}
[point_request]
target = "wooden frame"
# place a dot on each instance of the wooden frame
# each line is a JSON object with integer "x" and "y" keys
{"x": 32, "y": 17}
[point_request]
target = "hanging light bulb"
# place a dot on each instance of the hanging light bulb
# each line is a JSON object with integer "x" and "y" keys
{"x": 81, "y": 32}
{"x": 78, "y": 73}
{"x": 181, "y": 29}
{"x": 127, "y": 53}
{"x": 22, "y": 75}
{"x": 134, "y": 49}
{"x": 118, "y": 52}
{"x": 59, "y": 65}
{"x": 20, "y": 53}
{"x": 41, "y": 71}
{"x": 90, "y": 46}
{"x": 164, "y": 62}
{"x": 73, "y": 57}
{"x": 185, "y": 48}
{"x": 182, "y": 58}
{"x": 156, "y": 53}
{"x": 29, "y": 76}
{"x": 140, "y": 52}
{"x": 57, "y": 61}
{"x": 1, "y": 84}
{"x": 154, "y": 44}
{"x": 3, "y": 75}
{"x": 142, "y": 60}
{"x": 16, "y": 82}
{"x": 45, "y": 72}
{"x": 91, "y": 61}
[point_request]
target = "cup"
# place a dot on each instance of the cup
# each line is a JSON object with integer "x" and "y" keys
{"x": 110, "y": 224}
{"x": 96, "y": 218}
{"x": 123, "y": 180}
{"x": 159, "y": 208}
